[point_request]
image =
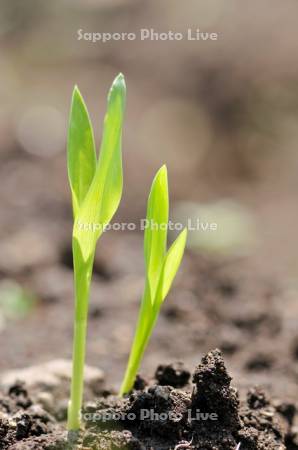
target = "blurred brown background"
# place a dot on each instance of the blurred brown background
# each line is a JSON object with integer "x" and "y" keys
{"x": 221, "y": 114}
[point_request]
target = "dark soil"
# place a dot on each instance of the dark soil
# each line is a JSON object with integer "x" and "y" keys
{"x": 205, "y": 414}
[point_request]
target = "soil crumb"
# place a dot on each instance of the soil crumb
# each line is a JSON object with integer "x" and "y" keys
{"x": 158, "y": 415}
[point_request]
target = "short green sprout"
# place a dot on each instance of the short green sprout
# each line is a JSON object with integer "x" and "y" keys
{"x": 161, "y": 268}
{"x": 96, "y": 188}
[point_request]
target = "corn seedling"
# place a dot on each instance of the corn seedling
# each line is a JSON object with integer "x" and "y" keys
{"x": 96, "y": 188}
{"x": 161, "y": 267}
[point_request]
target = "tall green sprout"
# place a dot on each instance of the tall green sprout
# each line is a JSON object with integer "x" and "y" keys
{"x": 161, "y": 268}
{"x": 96, "y": 188}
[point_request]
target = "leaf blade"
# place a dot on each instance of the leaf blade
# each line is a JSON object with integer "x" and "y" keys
{"x": 103, "y": 197}
{"x": 171, "y": 265}
{"x": 155, "y": 238}
{"x": 81, "y": 153}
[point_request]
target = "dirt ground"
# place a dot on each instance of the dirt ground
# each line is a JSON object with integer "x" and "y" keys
{"x": 246, "y": 306}
{"x": 205, "y": 414}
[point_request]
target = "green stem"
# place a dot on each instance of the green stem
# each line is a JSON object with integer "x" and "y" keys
{"x": 134, "y": 364}
{"x": 76, "y": 395}
{"x": 82, "y": 279}
{"x": 146, "y": 321}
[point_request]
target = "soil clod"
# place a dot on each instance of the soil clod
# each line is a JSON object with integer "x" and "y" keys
{"x": 205, "y": 416}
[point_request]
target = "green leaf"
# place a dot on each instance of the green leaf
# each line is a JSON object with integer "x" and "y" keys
{"x": 171, "y": 265}
{"x": 161, "y": 268}
{"x": 155, "y": 239}
{"x": 81, "y": 153}
{"x": 104, "y": 194}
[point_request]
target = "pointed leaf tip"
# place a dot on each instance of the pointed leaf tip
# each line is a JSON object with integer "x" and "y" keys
{"x": 120, "y": 78}
{"x": 163, "y": 170}
{"x": 161, "y": 177}
{"x": 117, "y": 91}
{"x": 119, "y": 83}
{"x": 76, "y": 94}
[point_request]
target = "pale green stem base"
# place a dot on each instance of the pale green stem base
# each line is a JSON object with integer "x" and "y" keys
{"x": 76, "y": 396}
{"x": 82, "y": 277}
{"x": 133, "y": 365}
{"x": 143, "y": 332}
